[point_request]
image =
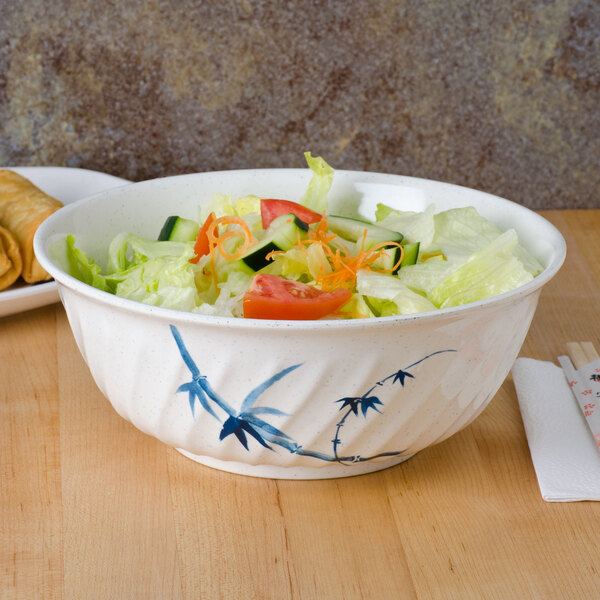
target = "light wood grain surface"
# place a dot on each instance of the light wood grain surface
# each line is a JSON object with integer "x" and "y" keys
{"x": 92, "y": 508}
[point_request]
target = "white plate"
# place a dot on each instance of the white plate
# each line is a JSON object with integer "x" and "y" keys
{"x": 67, "y": 185}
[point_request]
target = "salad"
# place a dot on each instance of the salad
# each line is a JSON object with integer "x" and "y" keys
{"x": 266, "y": 258}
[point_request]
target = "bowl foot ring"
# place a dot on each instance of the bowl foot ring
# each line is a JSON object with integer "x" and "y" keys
{"x": 273, "y": 472}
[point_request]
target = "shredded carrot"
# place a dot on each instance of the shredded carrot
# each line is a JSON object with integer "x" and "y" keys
{"x": 321, "y": 234}
{"x": 216, "y": 240}
{"x": 271, "y": 255}
{"x": 364, "y": 239}
{"x": 387, "y": 246}
{"x": 344, "y": 266}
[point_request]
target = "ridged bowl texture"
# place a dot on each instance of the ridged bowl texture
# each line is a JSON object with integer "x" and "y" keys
{"x": 293, "y": 399}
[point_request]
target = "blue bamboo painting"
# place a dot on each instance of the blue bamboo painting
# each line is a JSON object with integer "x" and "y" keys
{"x": 249, "y": 420}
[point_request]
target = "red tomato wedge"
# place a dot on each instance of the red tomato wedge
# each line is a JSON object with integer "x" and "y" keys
{"x": 201, "y": 246}
{"x": 271, "y": 209}
{"x": 272, "y": 297}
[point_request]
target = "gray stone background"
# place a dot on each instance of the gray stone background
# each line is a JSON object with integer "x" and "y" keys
{"x": 502, "y": 96}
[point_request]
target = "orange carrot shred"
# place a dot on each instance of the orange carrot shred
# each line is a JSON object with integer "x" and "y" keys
{"x": 345, "y": 266}
{"x": 386, "y": 246}
{"x": 217, "y": 239}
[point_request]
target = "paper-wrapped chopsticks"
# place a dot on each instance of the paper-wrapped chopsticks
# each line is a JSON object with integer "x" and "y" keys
{"x": 581, "y": 353}
{"x": 582, "y": 369}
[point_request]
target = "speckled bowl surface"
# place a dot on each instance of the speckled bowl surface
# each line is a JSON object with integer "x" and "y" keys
{"x": 294, "y": 399}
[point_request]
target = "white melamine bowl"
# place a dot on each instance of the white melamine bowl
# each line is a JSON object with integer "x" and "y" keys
{"x": 294, "y": 399}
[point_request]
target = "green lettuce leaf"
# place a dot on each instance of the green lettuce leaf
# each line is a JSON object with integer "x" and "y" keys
{"x": 82, "y": 267}
{"x": 315, "y": 196}
{"x": 166, "y": 281}
{"x": 426, "y": 276}
{"x": 357, "y": 306}
{"x": 391, "y": 289}
{"x": 128, "y": 250}
{"x": 414, "y": 226}
{"x": 488, "y": 272}
{"x": 157, "y": 273}
{"x": 382, "y": 211}
{"x": 228, "y": 302}
{"x": 461, "y": 231}
{"x": 247, "y": 205}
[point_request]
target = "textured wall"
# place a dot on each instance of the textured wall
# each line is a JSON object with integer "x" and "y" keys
{"x": 502, "y": 96}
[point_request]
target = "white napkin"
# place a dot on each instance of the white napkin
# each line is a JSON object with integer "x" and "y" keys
{"x": 564, "y": 453}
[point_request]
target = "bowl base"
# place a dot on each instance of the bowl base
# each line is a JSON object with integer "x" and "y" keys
{"x": 271, "y": 472}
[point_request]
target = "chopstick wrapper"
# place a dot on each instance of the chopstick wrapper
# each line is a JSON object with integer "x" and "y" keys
{"x": 563, "y": 450}
{"x": 585, "y": 385}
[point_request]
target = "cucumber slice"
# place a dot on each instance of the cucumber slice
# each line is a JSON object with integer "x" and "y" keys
{"x": 392, "y": 255}
{"x": 387, "y": 261}
{"x": 178, "y": 229}
{"x": 354, "y": 230}
{"x": 411, "y": 253}
{"x": 282, "y": 234}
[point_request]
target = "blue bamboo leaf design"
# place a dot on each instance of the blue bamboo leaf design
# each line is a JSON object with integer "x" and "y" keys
{"x": 351, "y": 401}
{"x": 286, "y": 443}
{"x": 187, "y": 359}
{"x": 197, "y": 393}
{"x": 401, "y": 376}
{"x": 370, "y": 402}
{"x": 257, "y": 391}
{"x": 199, "y": 388}
{"x": 267, "y": 410}
{"x": 246, "y": 422}
{"x": 187, "y": 387}
{"x": 265, "y": 428}
{"x": 237, "y": 426}
{"x": 232, "y": 426}
{"x": 366, "y": 401}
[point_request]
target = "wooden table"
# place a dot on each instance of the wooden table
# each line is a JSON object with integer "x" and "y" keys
{"x": 92, "y": 508}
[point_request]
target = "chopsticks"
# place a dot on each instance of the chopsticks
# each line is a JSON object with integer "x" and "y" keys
{"x": 581, "y": 353}
{"x": 582, "y": 370}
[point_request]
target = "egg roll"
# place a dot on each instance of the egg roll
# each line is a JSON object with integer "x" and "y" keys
{"x": 11, "y": 264}
{"x": 23, "y": 207}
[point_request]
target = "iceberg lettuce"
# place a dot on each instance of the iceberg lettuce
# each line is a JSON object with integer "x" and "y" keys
{"x": 390, "y": 288}
{"x": 81, "y": 266}
{"x": 167, "y": 281}
{"x": 487, "y": 272}
{"x": 127, "y": 250}
{"x": 424, "y": 277}
{"x": 315, "y": 196}
{"x": 228, "y": 302}
{"x": 461, "y": 231}
{"x": 414, "y": 226}
{"x": 462, "y": 258}
{"x": 157, "y": 273}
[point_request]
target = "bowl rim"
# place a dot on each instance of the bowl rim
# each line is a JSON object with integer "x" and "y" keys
{"x": 63, "y": 279}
